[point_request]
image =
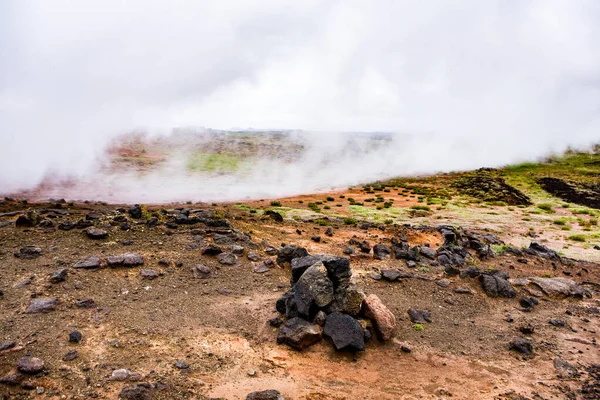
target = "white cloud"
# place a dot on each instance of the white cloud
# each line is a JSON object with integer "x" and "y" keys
{"x": 493, "y": 81}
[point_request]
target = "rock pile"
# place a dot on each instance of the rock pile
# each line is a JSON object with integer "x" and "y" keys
{"x": 323, "y": 302}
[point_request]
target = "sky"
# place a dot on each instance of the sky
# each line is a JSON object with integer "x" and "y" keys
{"x": 485, "y": 80}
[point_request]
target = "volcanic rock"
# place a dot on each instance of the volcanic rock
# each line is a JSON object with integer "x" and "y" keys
{"x": 126, "y": 260}
{"x": 496, "y": 285}
{"x": 419, "y": 316}
{"x": 149, "y": 273}
{"x": 41, "y": 305}
{"x": 319, "y": 285}
{"x": 521, "y": 345}
{"x": 201, "y": 271}
{"x": 298, "y": 333}
{"x": 381, "y": 251}
{"x": 59, "y": 276}
{"x": 28, "y": 252}
{"x": 95, "y": 233}
{"x": 265, "y": 395}
{"x": 390, "y": 274}
{"x": 88, "y": 262}
{"x": 211, "y": 250}
{"x": 29, "y": 365}
{"x": 227, "y": 258}
{"x": 345, "y": 332}
{"x": 75, "y": 336}
{"x": 289, "y": 252}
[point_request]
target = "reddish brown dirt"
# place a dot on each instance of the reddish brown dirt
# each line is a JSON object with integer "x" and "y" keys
{"x": 146, "y": 325}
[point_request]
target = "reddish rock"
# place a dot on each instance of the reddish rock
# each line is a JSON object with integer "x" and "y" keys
{"x": 383, "y": 319}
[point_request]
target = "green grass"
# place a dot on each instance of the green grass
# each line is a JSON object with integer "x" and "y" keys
{"x": 350, "y": 221}
{"x": 577, "y": 238}
{"x": 276, "y": 204}
{"x": 419, "y": 327}
{"x": 421, "y": 208}
{"x": 213, "y": 162}
{"x": 546, "y": 207}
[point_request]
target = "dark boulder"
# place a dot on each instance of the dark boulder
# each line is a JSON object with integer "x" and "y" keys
{"x": 427, "y": 252}
{"x": 496, "y": 285}
{"x": 345, "y": 332}
{"x": 298, "y": 333}
{"x": 135, "y": 212}
{"x": 287, "y": 253}
{"x": 381, "y": 251}
{"x": 319, "y": 285}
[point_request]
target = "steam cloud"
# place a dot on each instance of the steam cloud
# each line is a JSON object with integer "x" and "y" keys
{"x": 460, "y": 84}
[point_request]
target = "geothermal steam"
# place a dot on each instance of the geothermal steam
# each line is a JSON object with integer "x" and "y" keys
{"x": 458, "y": 84}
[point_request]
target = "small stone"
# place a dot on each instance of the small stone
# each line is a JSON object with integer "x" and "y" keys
{"x": 261, "y": 268}
{"x": 149, "y": 274}
{"x": 443, "y": 283}
{"x": 59, "y": 276}
{"x": 463, "y": 290}
{"x": 320, "y": 318}
{"x": 201, "y": 271}
{"x": 211, "y": 250}
{"x": 411, "y": 264}
{"x": 88, "y": 262}
{"x": 29, "y": 365}
{"x": 375, "y": 276}
{"x": 265, "y": 395}
{"x": 137, "y": 392}
{"x": 70, "y": 355}
{"x": 28, "y": 252}
{"x": 41, "y": 305}
{"x": 227, "y": 258}
{"x": 86, "y": 303}
{"x": 527, "y": 329}
{"x": 329, "y": 231}
{"x": 521, "y": 345}
{"x": 316, "y": 238}
{"x": 405, "y": 348}
{"x": 95, "y": 233}
{"x": 75, "y": 337}
{"x": 126, "y": 260}
{"x": 557, "y": 322}
{"x": 120, "y": 374}
{"x": 348, "y": 250}
{"x": 181, "y": 364}
{"x": 253, "y": 256}
{"x": 390, "y": 274}
{"x": 237, "y": 249}
{"x": 275, "y": 322}
{"x": 12, "y": 378}
{"x": 7, "y": 344}
{"x": 419, "y": 316}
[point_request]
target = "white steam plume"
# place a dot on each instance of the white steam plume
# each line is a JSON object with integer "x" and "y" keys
{"x": 475, "y": 83}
